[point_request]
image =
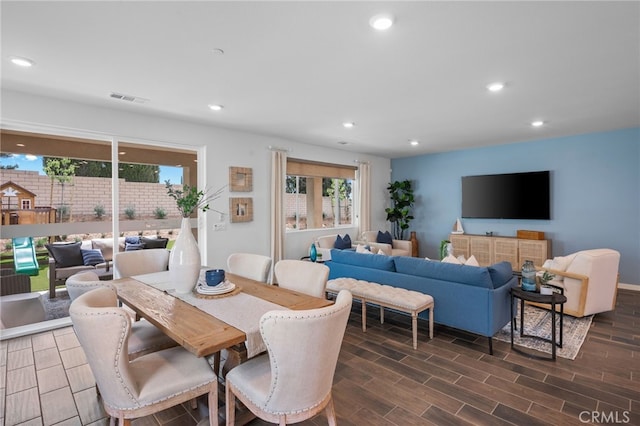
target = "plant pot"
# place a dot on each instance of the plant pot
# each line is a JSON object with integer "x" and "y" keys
{"x": 184, "y": 260}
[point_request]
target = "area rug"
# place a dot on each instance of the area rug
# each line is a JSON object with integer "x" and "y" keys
{"x": 57, "y": 307}
{"x": 537, "y": 322}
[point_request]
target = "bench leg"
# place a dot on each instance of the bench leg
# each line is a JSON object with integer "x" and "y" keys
{"x": 431, "y": 322}
{"x": 364, "y": 316}
{"x": 414, "y": 328}
{"x": 381, "y": 314}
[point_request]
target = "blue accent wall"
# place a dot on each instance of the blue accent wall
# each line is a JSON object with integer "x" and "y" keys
{"x": 595, "y": 193}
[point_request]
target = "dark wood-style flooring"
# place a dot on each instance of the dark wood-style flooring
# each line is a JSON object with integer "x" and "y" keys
{"x": 381, "y": 380}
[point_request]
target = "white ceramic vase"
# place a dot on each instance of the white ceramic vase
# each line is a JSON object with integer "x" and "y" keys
{"x": 184, "y": 261}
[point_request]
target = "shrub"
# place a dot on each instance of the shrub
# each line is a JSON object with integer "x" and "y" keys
{"x": 159, "y": 213}
{"x": 130, "y": 212}
{"x": 40, "y": 242}
{"x": 8, "y": 245}
{"x": 99, "y": 211}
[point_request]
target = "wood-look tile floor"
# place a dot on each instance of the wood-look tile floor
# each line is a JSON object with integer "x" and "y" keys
{"x": 380, "y": 379}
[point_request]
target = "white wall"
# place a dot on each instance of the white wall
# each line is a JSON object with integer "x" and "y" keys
{"x": 219, "y": 148}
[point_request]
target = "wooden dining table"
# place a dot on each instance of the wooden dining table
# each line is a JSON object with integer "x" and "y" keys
{"x": 197, "y": 331}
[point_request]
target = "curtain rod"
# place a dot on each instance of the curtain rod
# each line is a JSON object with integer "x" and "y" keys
{"x": 361, "y": 162}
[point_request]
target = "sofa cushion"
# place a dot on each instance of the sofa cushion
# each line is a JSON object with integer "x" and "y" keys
{"x": 92, "y": 257}
{"x": 470, "y": 275}
{"x": 152, "y": 243}
{"x": 66, "y": 255}
{"x": 501, "y": 273}
{"x": 131, "y": 240}
{"x": 342, "y": 242}
{"x": 347, "y": 257}
{"x": 384, "y": 237}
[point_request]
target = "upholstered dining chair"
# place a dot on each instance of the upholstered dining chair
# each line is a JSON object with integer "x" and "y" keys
{"x": 292, "y": 382}
{"x": 299, "y": 275}
{"x": 249, "y": 265}
{"x": 146, "y": 385}
{"x": 145, "y": 337}
{"x": 138, "y": 262}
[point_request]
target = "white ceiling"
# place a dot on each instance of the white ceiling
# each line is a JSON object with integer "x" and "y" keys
{"x": 298, "y": 70}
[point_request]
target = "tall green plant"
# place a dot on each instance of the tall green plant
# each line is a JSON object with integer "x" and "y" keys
{"x": 399, "y": 214}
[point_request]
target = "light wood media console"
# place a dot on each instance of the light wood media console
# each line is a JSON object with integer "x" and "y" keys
{"x": 490, "y": 250}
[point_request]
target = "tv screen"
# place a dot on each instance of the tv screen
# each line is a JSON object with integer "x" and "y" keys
{"x": 506, "y": 196}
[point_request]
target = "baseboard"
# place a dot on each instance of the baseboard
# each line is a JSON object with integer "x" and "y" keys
{"x": 632, "y": 287}
{"x": 39, "y": 327}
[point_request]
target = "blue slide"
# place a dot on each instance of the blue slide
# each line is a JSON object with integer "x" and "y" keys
{"x": 24, "y": 256}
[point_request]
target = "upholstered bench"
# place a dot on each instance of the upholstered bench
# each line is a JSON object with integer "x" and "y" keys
{"x": 386, "y": 296}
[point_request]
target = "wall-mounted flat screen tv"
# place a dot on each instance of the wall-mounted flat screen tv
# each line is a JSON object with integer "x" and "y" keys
{"x": 507, "y": 196}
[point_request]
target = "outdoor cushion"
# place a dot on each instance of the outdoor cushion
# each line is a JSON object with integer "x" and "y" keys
{"x": 92, "y": 257}
{"x": 152, "y": 243}
{"x": 66, "y": 255}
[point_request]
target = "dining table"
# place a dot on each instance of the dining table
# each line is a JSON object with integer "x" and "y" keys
{"x": 206, "y": 325}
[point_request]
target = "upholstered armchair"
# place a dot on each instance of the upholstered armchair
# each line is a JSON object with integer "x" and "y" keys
{"x": 396, "y": 248}
{"x": 589, "y": 279}
{"x": 293, "y": 381}
{"x": 306, "y": 277}
{"x": 149, "y": 384}
{"x": 138, "y": 262}
{"x": 249, "y": 265}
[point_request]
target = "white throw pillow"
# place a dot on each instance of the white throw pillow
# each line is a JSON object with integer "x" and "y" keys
{"x": 382, "y": 253}
{"x": 362, "y": 249}
{"x": 451, "y": 259}
{"x": 472, "y": 261}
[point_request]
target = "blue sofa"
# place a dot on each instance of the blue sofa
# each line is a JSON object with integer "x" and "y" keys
{"x": 475, "y": 299}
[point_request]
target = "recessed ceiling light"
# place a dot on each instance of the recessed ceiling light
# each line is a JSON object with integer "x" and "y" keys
{"x": 217, "y": 51}
{"x": 215, "y": 107}
{"x": 414, "y": 142}
{"x": 22, "y": 62}
{"x": 122, "y": 152}
{"x": 342, "y": 142}
{"x": 348, "y": 124}
{"x": 495, "y": 87}
{"x": 19, "y": 144}
{"x": 537, "y": 123}
{"x": 381, "y": 22}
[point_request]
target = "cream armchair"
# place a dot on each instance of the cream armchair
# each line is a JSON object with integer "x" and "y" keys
{"x": 398, "y": 248}
{"x": 589, "y": 279}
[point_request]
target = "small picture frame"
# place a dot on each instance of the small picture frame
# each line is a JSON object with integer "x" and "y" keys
{"x": 241, "y": 209}
{"x": 241, "y": 179}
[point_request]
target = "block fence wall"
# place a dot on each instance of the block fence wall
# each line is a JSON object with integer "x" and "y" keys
{"x": 83, "y": 194}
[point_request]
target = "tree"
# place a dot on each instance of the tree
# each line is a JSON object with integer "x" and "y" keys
{"x": 11, "y": 166}
{"x": 402, "y": 200}
{"x": 129, "y": 172}
{"x": 61, "y": 170}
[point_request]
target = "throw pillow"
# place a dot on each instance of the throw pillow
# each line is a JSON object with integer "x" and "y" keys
{"x": 132, "y": 240}
{"x": 66, "y": 255}
{"x": 152, "y": 243}
{"x": 133, "y": 246}
{"x": 342, "y": 243}
{"x": 362, "y": 249}
{"x": 472, "y": 261}
{"x": 92, "y": 257}
{"x": 385, "y": 238}
{"x": 451, "y": 259}
{"x": 382, "y": 253}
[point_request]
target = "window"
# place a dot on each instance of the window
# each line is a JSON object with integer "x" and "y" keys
{"x": 318, "y": 195}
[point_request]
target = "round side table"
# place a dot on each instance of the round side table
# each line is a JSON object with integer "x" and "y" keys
{"x": 550, "y": 299}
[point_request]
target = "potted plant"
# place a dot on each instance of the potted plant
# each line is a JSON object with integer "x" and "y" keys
{"x": 399, "y": 214}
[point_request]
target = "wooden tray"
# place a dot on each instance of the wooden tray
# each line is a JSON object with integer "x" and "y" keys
{"x": 233, "y": 292}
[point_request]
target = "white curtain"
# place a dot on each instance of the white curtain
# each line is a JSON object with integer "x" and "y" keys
{"x": 364, "y": 192}
{"x": 278, "y": 182}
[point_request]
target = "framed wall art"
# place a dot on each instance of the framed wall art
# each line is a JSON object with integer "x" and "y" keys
{"x": 241, "y": 179}
{"x": 241, "y": 209}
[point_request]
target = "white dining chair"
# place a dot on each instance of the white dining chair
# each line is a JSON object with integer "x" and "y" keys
{"x": 150, "y": 383}
{"x": 249, "y": 265}
{"x": 299, "y": 275}
{"x": 138, "y": 262}
{"x": 292, "y": 382}
{"x": 145, "y": 337}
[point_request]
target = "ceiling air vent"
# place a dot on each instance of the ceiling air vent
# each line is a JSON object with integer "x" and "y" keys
{"x": 128, "y": 98}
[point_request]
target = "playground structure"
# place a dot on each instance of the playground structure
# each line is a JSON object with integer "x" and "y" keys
{"x": 24, "y": 256}
{"x": 18, "y": 207}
